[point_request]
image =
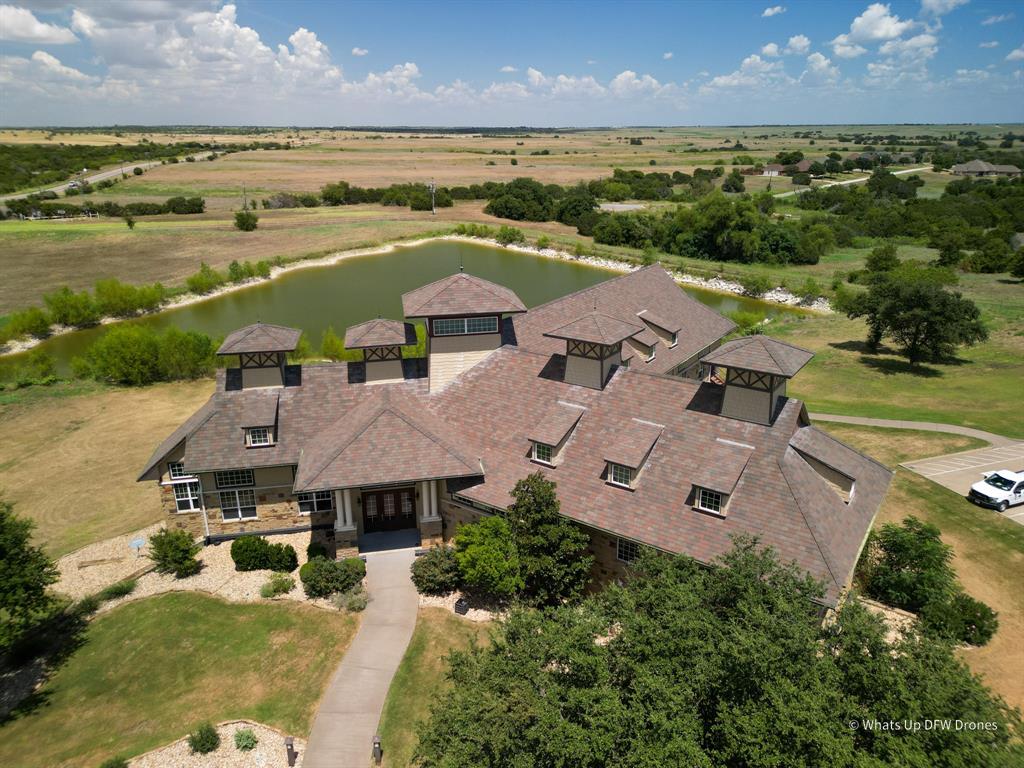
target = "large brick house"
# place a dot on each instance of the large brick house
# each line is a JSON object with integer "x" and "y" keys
{"x": 656, "y": 433}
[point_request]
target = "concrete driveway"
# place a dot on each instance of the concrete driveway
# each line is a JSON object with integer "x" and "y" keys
{"x": 959, "y": 471}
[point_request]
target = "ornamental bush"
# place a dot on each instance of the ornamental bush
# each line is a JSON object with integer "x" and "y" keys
{"x": 315, "y": 549}
{"x": 488, "y": 559}
{"x": 255, "y": 553}
{"x": 322, "y": 577}
{"x": 436, "y": 572}
{"x": 282, "y": 557}
{"x": 174, "y": 552}
{"x": 245, "y": 739}
{"x": 960, "y": 618}
{"x": 117, "y": 589}
{"x": 203, "y": 739}
{"x": 279, "y": 584}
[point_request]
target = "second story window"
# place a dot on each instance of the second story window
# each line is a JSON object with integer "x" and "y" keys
{"x": 234, "y": 478}
{"x": 256, "y": 437}
{"x": 620, "y": 475}
{"x": 709, "y": 501}
{"x": 176, "y": 469}
{"x": 460, "y": 326}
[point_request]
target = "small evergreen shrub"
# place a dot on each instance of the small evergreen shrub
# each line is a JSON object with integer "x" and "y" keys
{"x": 322, "y": 577}
{"x": 203, "y": 739}
{"x": 118, "y": 589}
{"x": 173, "y": 551}
{"x": 282, "y": 557}
{"x": 436, "y": 572}
{"x": 315, "y": 549}
{"x": 246, "y": 221}
{"x": 87, "y": 606}
{"x": 245, "y": 739}
{"x": 279, "y": 584}
{"x": 255, "y": 553}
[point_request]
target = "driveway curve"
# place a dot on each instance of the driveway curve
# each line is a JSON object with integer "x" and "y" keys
{"x": 349, "y": 713}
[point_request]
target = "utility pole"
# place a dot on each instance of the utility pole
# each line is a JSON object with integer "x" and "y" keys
{"x": 433, "y": 189}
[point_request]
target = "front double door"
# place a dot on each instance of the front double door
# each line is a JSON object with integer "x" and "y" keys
{"x": 389, "y": 510}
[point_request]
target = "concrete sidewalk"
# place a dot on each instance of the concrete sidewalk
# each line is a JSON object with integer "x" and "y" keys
{"x": 342, "y": 734}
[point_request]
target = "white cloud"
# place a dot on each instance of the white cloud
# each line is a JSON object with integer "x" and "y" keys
{"x": 508, "y": 68}
{"x": 536, "y": 78}
{"x": 20, "y": 25}
{"x": 754, "y": 72}
{"x": 771, "y": 49}
{"x": 774, "y": 10}
{"x": 989, "y": 44}
{"x": 798, "y": 44}
{"x": 628, "y": 84}
{"x": 667, "y": 55}
{"x": 1017, "y": 54}
{"x": 357, "y": 51}
{"x": 52, "y": 67}
{"x": 876, "y": 24}
{"x": 941, "y": 7}
{"x": 912, "y": 50}
{"x": 820, "y": 70}
{"x": 999, "y": 19}
{"x": 971, "y": 75}
{"x": 591, "y": 62}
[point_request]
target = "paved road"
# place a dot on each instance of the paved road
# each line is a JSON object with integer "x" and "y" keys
{"x": 349, "y": 714}
{"x": 927, "y": 426}
{"x": 850, "y": 181}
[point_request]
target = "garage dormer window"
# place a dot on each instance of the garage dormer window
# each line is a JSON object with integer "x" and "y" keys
{"x": 710, "y": 501}
{"x": 620, "y": 475}
{"x": 258, "y": 437}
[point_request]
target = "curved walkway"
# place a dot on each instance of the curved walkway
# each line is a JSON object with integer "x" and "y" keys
{"x": 347, "y": 720}
{"x": 927, "y": 426}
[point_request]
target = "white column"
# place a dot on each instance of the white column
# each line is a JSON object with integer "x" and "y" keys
{"x": 343, "y": 513}
{"x": 424, "y": 500}
{"x": 432, "y": 496}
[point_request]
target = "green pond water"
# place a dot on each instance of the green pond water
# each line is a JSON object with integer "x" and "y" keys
{"x": 360, "y": 288}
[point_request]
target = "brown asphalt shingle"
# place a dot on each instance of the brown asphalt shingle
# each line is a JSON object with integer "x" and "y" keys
{"x": 596, "y": 328}
{"x": 761, "y": 354}
{"x": 380, "y": 333}
{"x": 556, "y": 422}
{"x": 260, "y": 337}
{"x": 460, "y": 294}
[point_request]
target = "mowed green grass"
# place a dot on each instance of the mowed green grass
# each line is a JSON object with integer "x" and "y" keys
{"x": 152, "y": 670}
{"x": 980, "y": 389}
{"x": 420, "y": 679}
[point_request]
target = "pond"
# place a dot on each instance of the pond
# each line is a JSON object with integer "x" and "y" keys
{"x": 363, "y": 287}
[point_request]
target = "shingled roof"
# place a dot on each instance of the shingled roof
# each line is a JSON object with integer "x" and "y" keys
{"x": 760, "y": 354}
{"x": 461, "y": 294}
{"x": 260, "y": 337}
{"x": 380, "y": 333}
{"x": 597, "y": 328}
{"x": 651, "y": 289}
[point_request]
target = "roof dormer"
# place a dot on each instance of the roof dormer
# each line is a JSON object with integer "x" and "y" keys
{"x": 627, "y": 454}
{"x": 552, "y": 431}
{"x": 262, "y": 351}
{"x": 593, "y": 346}
{"x": 665, "y": 329}
{"x": 718, "y": 476}
{"x": 756, "y": 371}
{"x": 381, "y": 342}
{"x": 259, "y": 418}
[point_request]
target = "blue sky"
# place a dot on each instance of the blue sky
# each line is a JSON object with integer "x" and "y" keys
{"x": 528, "y": 63}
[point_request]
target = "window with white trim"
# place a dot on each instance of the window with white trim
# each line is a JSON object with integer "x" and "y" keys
{"x": 259, "y": 436}
{"x": 626, "y": 551}
{"x": 234, "y": 478}
{"x": 459, "y": 326}
{"x": 620, "y": 475}
{"x": 176, "y": 470}
{"x": 317, "y": 501}
{"x": 709, "y": 501}
{"x": 675, "y": 340}
{"x": 186, "y": 497}
{"x": 238, "y": 505}
{"x": 542, "y": 452}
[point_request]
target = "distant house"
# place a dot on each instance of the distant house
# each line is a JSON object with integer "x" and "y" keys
{"x": 772, "y": 169}
{"x": 978, "y": 168}
{"x": 804, "y": 166}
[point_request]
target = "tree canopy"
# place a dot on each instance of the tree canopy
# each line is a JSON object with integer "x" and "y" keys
{"x": 25, "y": 575}
{"x": 690, "y": 666}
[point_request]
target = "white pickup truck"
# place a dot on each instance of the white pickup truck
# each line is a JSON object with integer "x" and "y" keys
{"x": 1000, "y": 489}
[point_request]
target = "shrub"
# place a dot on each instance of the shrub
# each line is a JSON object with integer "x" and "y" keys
{"x": 28, "y": 322}
{"x": 203, "y": 739}
{"x": 126, "y": 354}
{"x": 175, "y": 552}
{"x": 961, "y": 618}
{"x": 246, "y": 221}
{"x": 354, "y": 600}
{"x": 205, "y": 280}
{"x": 543, "y": 242}
{"x": 907, "y": 565}
{"x": 436, "y": 572}
{"x": 810, "y": 290}
{"x": 322, "y": 577}
{"x": 137, "y": 171}
{"x": 87, "y": 606}
{"x": 315, "y": 549}
{"x": 114, "y": 762}
{"x": 245, "y": 739}
{"x": 487, "y": 557}
{"x": 282, "y": 558}
{"x": 249, "y": 553}
{"x": 118, "y": 589}
{"x": 69, "y": 308}
{"x": 509, "y": 235}
{"x": 279, "y": 584}
{"x": 755, "y": 285}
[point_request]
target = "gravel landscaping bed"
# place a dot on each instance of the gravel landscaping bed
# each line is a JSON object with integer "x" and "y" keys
{"x": 219, "y": 577}
{"x": 268, "y": 753}
{"x": 478, "y": 610}
{"x": 89, "y": 569}
{"x": 896, "y": 620}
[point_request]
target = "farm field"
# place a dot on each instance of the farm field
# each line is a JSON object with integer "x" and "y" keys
{"x": 151, "y": 670}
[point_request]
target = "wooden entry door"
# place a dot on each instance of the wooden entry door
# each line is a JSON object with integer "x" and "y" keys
{"x": 390, "y": 510}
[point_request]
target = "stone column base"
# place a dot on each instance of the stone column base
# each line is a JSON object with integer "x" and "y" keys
{"x": 430, "y": 532}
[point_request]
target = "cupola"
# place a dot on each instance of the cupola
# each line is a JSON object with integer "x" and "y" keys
{"x": 381, "y": 342}
{"x": 262, "y": 351}
{"x": 593, "y": 347}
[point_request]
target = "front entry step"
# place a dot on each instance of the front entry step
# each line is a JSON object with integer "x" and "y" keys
{"x": 382, "y": 541}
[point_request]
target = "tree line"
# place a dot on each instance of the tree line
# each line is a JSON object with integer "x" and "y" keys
{"x": 29, "y": 206}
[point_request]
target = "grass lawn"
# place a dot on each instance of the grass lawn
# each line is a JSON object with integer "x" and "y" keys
{"x": 988, "y": 549}
{"x": 980, "y": 389}
{"x": 70, "y": 453}
{"x": 152, "y": 670}
{"x": 420, "y": 678}
{"x": 894, "y": 446}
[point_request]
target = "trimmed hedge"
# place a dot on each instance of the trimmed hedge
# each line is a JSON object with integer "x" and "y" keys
{"x": 322, "y": 577}
{"x": 436, "y": 572}
{"x": 255, "y": 553}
